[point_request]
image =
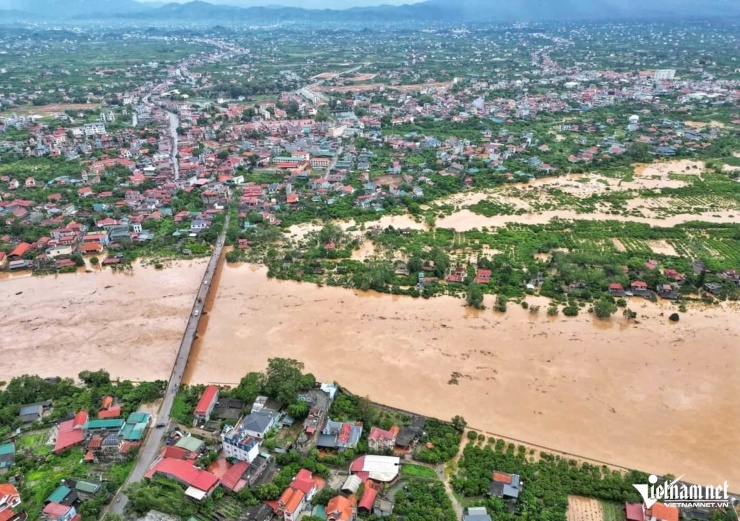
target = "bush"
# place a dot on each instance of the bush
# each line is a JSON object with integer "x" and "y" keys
{"x": 552, "y": 311}
{"x": 158, "y": 266}
{"x": 682, "y": 308}
{"x": 570, "y": 311}
{"x": 525, "y": 305}
{"x": 94, "y": 261}
{"x": 621, "y": 303}
{"x": 674, "y": 317}
{"x": 472, "y": 435}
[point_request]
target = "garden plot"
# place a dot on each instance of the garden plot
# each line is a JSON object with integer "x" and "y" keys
{"x": 584, "y": 509}
{"x": 662, "y": 247}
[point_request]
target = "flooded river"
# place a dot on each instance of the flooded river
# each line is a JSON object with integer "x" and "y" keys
{"x": 652, "y": 395}
{"x": 129, "y": 323}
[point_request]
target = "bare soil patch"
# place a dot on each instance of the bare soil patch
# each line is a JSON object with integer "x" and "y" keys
{"x": 584, "y": 509}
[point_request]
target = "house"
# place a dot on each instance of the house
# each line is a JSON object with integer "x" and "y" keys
{"x": 200, "y": 483}
{"x": 71, "y": 432}
{"x": 658, "y": 512}
{"x": 476, "y": 514}
{"x": 58, "y": 512}
{"x": 339, "y": 508}
{"x": 19, "y": 251}
{"x": 233, "y": 478}
{"x": 85, "y": 489}
{"x": 34, "y": 411}
{"x": 299, "y": 493}
{"x": 351, "y": 485}
{"x": 206, "y": 404}
{"x": 665, "y": 291}
{"x": 191, "y": 444}
{"x": 483, "y": 276}
{"x": 258, "y": 424}
{"x": 638, "y": 285}
{"x": 673, "y": 275}
{"x": 380, "y": 440}
{"x": 7, "y": 456}
{"x": 378, "y": 468}
{"x": 10, "y": 502}
{"x": 505, "y": 486}
{"x": 237, "y": 443}
{"x": 616, "y": 289}
{"x": 367, "y": 502}
{"x": 135, "y": 427}
{"x": 339, "y": 435}
{"x": 63, "y": 495}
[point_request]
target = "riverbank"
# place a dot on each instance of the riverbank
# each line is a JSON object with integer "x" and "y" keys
{"x": 649, "y": 395}
{"x": 129, "y": 323}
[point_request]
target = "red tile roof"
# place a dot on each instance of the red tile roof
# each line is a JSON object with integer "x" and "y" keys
{"x": 368, "y": 499}
{"x": 55, "y": 510}
{"x": 20, "y": 250}
{"x": 339, "y": 509}
{"x": 377, "y": 433}
{"x": 633, "y": 512}
{"x": 233, "y": 476}
{"x": 112, "y": 412}
{"x": 209, "y": 395}
{"x": 502, "y": 477}
{"x": 664, "y": 512}
{"x": 70, "y": 433}
{"x": 185, "y": 472}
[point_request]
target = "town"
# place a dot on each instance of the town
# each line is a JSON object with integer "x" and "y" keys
{"x": 581, "y": 169}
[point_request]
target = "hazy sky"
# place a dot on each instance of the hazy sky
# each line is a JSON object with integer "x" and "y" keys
{"x": 308, "y": 4}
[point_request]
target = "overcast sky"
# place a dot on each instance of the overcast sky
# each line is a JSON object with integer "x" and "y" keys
{"x": 308, "y": 4}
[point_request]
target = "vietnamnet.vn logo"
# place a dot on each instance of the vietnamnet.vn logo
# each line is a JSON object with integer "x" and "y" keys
{"x": 682, "y": 495}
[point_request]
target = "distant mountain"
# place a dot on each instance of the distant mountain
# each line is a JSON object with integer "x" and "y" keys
{"x": 428, "y": 11}
{"x": 74, "y": 8}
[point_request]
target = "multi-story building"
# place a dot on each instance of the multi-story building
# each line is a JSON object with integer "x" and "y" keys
{"x": 237, "y": 443}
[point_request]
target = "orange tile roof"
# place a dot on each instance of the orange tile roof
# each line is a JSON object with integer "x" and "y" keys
{"x": 664, "y": 512}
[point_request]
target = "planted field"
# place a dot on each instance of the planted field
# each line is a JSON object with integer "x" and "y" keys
{"x": 418, "y": 471}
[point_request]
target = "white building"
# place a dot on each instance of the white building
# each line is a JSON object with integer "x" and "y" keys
{"x": 238, "y": 444}
{"x": 664, "y": 74}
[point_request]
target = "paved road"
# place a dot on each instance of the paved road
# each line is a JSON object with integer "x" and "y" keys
{"x": 153, "y": 441}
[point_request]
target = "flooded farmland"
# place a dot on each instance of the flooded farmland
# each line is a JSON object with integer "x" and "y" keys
{"x": 651, "y": 395}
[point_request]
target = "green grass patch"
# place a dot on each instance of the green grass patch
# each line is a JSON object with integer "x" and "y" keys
{"x": 418, "y": 471}
{"x": 613, "y": 511}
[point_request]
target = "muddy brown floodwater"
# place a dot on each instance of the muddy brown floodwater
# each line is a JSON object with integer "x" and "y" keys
{"x": 129, "y": 323}
{"x": 653, "y": 395}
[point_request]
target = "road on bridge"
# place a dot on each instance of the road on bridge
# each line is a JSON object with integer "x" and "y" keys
{"x": 153, "y": 441}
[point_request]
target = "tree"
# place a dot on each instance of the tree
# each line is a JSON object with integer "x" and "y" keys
{"x": 415, "y": 264}
{"x": 629, "y": 314}
{"x": 95, "y": 378}
{"x": 475, "y": 296}
{"x": 674, "y": 317}
{"x": 284, "y": 379}
{"x": 604, "y": 309}
{"x": 298, "y": 410}
{"x": 94, "y": 261}
{"x": 250, "y": 387}
{"x": 459, "y": 423}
